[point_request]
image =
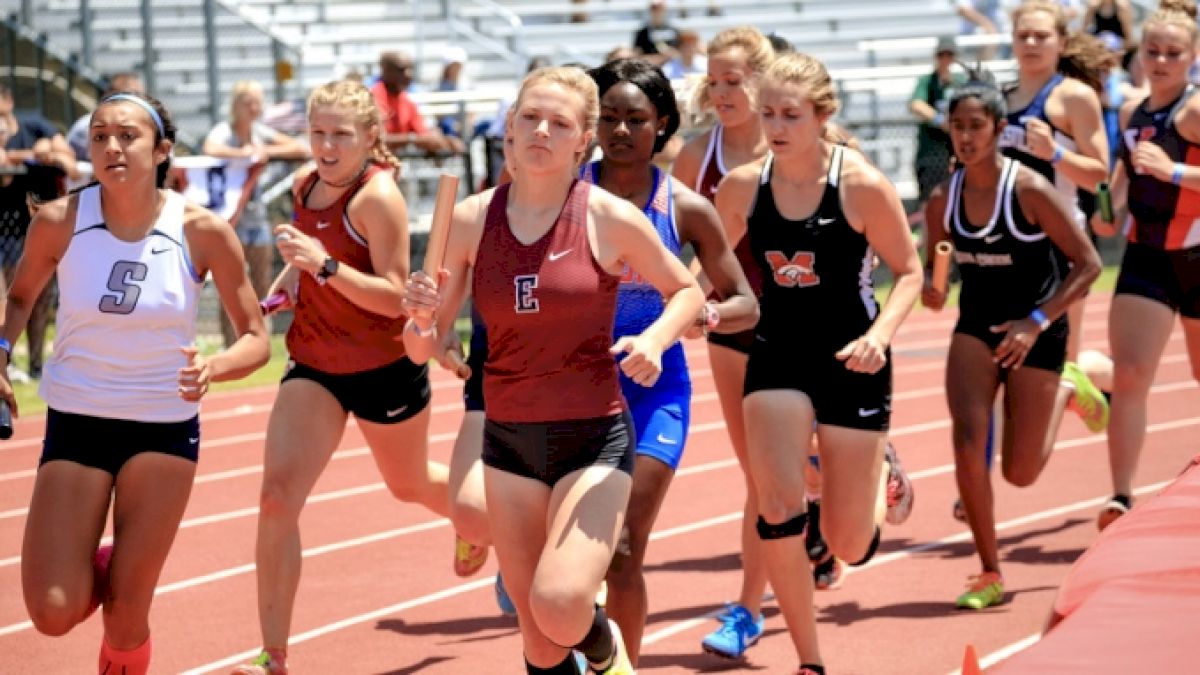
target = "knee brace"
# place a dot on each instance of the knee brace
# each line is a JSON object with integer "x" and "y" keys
{"x": 790, "y": 528}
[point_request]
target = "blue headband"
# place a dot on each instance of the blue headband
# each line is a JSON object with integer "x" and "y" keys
{"x": 144, "y": 105}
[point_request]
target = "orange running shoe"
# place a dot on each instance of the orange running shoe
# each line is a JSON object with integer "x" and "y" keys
{"x": 468, "y": 557}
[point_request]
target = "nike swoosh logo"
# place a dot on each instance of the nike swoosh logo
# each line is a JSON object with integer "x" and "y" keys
{"x": 826, "y": 221}
{"x": 991, "y": 239}
{"x": 556, "y": 255}
{"x": 863, "y": 412}
{"x": 397, "y": 411}
{"x": 667, "y": 441}
{"x": 156, "y": 251}
{"x": 322, "y": 225}
{"x": 194, "y": 441}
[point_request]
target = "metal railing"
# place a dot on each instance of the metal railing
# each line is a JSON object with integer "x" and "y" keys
{"x": 57, "y": 85}
{"x": 511, "y": 50}
{"x": 281, "y": 48}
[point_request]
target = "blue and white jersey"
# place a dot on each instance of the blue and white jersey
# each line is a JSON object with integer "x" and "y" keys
{"x": 639, "y": 303}
{"x": 126, "y": 310}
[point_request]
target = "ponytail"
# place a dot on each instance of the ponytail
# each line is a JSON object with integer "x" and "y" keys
{"x": 1086, "y": 59}
{"x": 380, "y": 154}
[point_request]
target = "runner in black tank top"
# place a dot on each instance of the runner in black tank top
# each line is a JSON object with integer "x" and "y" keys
{"x": 1004, "y": 220}
{"x": 820, "y": 355}
{"x": 1160, "y": 274}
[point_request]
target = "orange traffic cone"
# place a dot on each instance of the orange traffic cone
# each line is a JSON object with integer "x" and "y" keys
{"x": 970, "y": 664}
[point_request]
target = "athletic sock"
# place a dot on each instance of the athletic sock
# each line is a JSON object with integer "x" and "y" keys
{"x": 814, "y": 543}
{"x": 124, "y": 662}
{"x": 870, "y": 549}
{"x": 818, "y": 669}
{"x": 1123, "y": 499}
{"x": 598, "y": 646}
{"x": 567, "y": 667}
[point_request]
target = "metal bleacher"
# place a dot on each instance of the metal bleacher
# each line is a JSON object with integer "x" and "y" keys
{"x": 318, "y": 40}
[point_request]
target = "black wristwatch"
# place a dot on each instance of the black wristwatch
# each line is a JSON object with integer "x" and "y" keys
{"x": 328, "y": 269}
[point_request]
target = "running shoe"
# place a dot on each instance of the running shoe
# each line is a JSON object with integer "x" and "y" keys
{"x": 100, "y": 565}
{"x": 828, "y": 574}
{"x": 263, "y": 664}
{"x": 900, "y": 494}
{"x": 984, "y": 590}
{"x": 505, "y": 603}
{"x": 810, "y": 670}
{"x": 1088, "y": 402}
{"x": 468, "y": 557}
{"x": 738, "y": 631}
{"x": 620, "y": 664}
{"x": 1115, "y": 508}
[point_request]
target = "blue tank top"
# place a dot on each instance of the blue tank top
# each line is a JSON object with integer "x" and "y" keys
{"x": 639, "y": 303}
{"x": 1012, "y": 144}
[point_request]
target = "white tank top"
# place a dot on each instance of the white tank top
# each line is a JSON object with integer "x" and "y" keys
{"x": 125, "y": 311}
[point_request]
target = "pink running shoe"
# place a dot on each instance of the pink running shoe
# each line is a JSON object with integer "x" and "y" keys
{"x": 900, "y": 493}
{"x": 100, "y": 564}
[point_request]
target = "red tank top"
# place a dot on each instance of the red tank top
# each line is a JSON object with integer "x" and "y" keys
{"x": 330, "y": 333}
{"x": 711, "y": 173}
{"x": 549, "y": 309}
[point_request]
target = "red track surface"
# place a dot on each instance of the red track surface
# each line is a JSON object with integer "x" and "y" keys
{"x": 378, "y": 594}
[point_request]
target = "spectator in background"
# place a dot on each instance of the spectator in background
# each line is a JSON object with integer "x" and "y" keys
{"x": 78, "y": 137}
{"x": 658, "y": 39}
{"x": 30, "y": 140}
{"x": 1074, "y": 10}
{"x": 402, "y": 121}
{"x": 689, "y": 58}
{"x": 622, "y": 52}
{"x": 245, "y": 138}
{"x": 1109, "y": 21}
{"x": 928, "y": 104}
{"x": 454, "y": 61}
{"x": 981, "y": 16}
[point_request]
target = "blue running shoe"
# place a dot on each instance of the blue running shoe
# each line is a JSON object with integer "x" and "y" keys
{"x": 505, "y": 603}
{"x": 737, "y": 633}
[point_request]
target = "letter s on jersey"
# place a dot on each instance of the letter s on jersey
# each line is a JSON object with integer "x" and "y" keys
{"x": 797, "y": 271}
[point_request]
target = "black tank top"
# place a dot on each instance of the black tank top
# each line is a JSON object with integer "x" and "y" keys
{"x": 1165, "y": 215}
{"x": 1008, "y": 265}
{"x": 1108, "y": 24}
{"x": 816, "y": 267}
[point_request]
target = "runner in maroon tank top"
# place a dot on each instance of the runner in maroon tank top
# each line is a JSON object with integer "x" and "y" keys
{"x": 348, "y": 254}
{"x": 737, "y": 57}
{"x": 547, "y": 253}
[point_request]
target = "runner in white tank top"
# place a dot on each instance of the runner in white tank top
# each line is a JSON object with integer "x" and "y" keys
{"x": 106, "y": 287}
{"x": 125, "y": 380}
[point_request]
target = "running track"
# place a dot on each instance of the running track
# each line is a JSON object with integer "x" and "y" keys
{"x": 378, "y": 594}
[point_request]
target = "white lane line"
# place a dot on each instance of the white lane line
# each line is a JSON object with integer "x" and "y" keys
{"x": 674, "y": 628}
{"x": 1004, "y": 652}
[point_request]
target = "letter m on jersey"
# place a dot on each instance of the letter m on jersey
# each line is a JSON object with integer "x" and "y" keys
{"x": 796, "y": 271}
{"x": 525, "y": 284}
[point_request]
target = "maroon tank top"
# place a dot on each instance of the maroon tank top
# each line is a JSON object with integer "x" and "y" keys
{"x": 548, "y": 307}
{"x": 330, "y": 333}
{"x": 711, "y": 173}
